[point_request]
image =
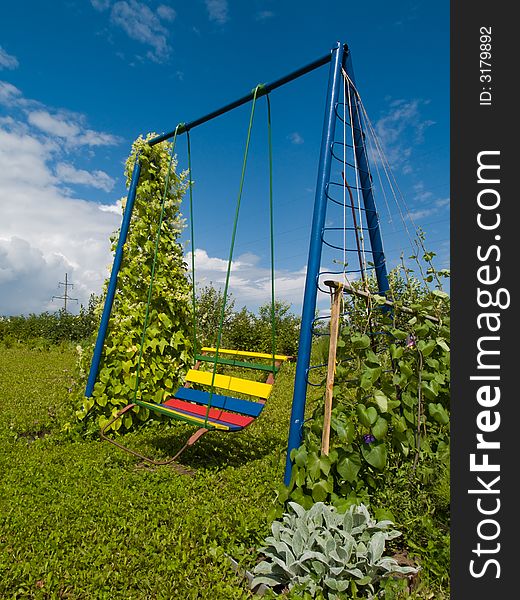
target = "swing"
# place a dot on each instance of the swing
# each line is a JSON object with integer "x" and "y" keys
{"x": 204, "y": 408}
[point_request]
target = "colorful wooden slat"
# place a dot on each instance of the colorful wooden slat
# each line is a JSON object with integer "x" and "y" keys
{"x": 234, "y": 384}
{"x": 236, "y": 363}
{"x": 215, "y": 414}
{"x": 183, "y": 416}
{"x": 244, "y": 407}
{"x": 281, "y": 357}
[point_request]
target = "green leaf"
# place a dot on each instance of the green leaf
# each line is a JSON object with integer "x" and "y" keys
{"x": 360, "y": 341}
{"x": 301, "y": 498}
{"x": 384, "y": 514}
{"x": 399, "y": 334}
{"x": 344, "y": 428}
{"x": 300, "y": 457}
{"x": 369, "y": 377}
{"x": 440, "y": 294}
{"x": 396, "y": 351}
{"x": 320, "y": 491}
{"x": 348, "y": 467}
{"x": 426, "y": 347}
{"x": 375, "y": 454}
{"x": 443, "y": 344}
{"x": 381, "y": 400}
{"x": 367, "y": 416}
{"x": 438, "y": 413}
{"x": 380, "y": 428}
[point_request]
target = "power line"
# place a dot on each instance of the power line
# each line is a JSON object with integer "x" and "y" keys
{"x": 65, "y": 296}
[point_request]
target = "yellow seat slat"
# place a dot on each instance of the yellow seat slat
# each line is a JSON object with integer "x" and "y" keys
{"x": 246, "y": 353}
{"x": 234, "y": 384}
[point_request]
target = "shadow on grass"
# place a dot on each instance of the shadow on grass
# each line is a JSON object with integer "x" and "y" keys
{"x": 215, "y": 450}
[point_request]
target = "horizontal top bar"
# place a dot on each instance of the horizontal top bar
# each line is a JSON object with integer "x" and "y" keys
{"x": 262, "y": 90}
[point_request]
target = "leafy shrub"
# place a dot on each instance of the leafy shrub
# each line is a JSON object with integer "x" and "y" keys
{"x": 49, "y": 328}
{"x": 322, "y": 550}
{"x": 390, "y": 425}
{"x": 209, "y": 313}
{"x": 243, "y": 329}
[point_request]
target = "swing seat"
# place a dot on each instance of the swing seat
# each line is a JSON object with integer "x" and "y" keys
{"x": 212, "y": 411}
{"x": 226, "y": 413}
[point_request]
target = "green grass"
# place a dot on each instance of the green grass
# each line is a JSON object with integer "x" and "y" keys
{"x": 81, "y": 519}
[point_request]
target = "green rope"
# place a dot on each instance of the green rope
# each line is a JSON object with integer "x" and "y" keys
{"x": 154, "y": 263}
{"x": 271, "y": 226}
{"x": 192, "y": 233}
{"x": 232, "y": 246}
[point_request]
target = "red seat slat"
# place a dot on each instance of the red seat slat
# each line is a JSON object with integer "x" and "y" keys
{"x": 214, "y": 413}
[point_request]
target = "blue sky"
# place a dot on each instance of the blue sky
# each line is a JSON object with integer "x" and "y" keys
{"x": 81, "y": 79}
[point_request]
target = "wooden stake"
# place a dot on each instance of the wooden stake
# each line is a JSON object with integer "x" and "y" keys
{"x": 331, "y": 367}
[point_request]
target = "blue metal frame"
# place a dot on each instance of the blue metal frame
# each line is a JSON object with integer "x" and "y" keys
{"x": 339, "y": 58}
{"x": 342, "y": 59}
{"x": 365, "y": 183}
{"x": 181, "y": 128}
{"x": 112, "y": 285}
{"x": 313, "y": 265}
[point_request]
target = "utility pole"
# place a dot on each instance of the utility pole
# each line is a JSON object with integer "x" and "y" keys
{"x": 65, "y": 296}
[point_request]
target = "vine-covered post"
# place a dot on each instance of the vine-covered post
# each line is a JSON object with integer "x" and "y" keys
{"x": 112, "y": 285}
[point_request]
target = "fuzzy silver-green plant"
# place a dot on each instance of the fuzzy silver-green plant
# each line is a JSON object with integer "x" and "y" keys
{"x": 322, "y": 550}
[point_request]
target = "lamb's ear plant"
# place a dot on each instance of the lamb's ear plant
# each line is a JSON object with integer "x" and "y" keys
{"x": 323, "y": 552}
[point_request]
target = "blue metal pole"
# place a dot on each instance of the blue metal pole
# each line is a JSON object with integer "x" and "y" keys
{"x": 112, "y": 284}
{"x": 313, "y": 265}
{"x": 365, "y": 180}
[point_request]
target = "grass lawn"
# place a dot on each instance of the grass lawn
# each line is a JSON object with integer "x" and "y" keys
{"x": 81, "y": 519}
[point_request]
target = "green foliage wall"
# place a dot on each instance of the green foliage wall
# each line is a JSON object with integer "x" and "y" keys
{"x": 243, "y": 329}
{"x": 47, "y": 329}
{"x": 167, "y": 349}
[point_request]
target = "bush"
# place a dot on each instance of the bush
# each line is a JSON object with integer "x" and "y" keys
{"x": 322, "y": 551}
{"x": 243, "y": 330}
{"x": 49, "y": 329}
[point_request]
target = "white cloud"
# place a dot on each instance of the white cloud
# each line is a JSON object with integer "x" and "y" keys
{"x": 166, "y": 12}
{"x": 7, "y": 61}
{"x": 67, "y": 173}
{"x": 142, "y": 24}
{"x": 53, "y": 125}
{"x": 249, "y": 282}
{"x": 421, "y": 194}
{"x": 296, "y": 138}
{"x": 116, "y": 208}
{"x": 432, "y": 209}
{"x": 10, "y": 95}
{"x": 263, "y": 15}
{"x": 100, "y": 4}
{"x": 218, "y": 11}
{"x": 70, "y": 128}
{"x": 46, "y": 231}
{"x": 399, "y": 130}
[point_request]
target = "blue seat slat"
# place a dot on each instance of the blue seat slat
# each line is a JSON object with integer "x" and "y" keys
{"x": 244, "y": 407}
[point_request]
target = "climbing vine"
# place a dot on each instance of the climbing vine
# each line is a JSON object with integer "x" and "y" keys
{"x": 391, "y": 401}
{"x": 167, "y": 348}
